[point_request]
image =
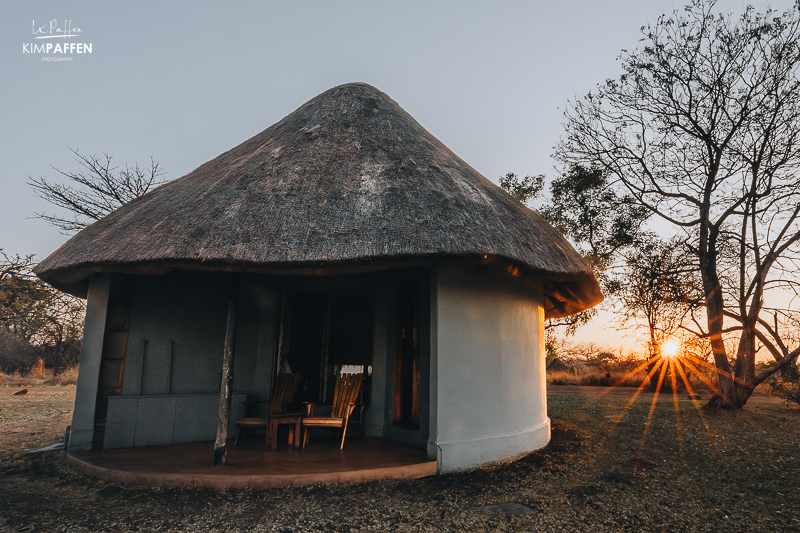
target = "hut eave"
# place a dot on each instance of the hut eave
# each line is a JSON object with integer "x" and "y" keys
{"x": 564, "y": 293}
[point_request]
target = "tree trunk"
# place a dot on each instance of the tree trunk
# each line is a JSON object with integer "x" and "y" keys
{"x": 224, "y": 415}
{"x": 57, "y": 358}
{"x": 735, "y": 397}
{"x": 734, "y": 393}
{"x": 727, "y": 393}
{"x": 655, "y": 360}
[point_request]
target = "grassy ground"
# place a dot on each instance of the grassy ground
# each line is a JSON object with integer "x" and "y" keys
{"x": 612, "y": 465}
{"x": 70, "y": 377}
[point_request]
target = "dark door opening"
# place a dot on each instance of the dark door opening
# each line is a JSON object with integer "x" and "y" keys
{"x": 322, "y": 333}
{"x": 405, "y": 408}
{"x": 112, "y": 364}
{"x": 303, "y": 345}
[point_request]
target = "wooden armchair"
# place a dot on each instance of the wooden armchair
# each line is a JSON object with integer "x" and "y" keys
{"x": 348, "y": 387}
{"x": 283, "y": 392}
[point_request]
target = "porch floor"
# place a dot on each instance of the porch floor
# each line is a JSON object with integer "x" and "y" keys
{"x": 253, "y": 465}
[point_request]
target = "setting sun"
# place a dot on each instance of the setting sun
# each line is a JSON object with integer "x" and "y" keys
{"x": 670, "y": 348}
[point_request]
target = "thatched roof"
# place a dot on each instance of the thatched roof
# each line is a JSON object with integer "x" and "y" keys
{"x": 347, "y": 181}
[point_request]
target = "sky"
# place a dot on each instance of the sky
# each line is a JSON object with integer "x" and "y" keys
{"x": 183, "y": 81}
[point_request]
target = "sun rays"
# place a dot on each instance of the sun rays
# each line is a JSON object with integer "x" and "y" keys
{"x": 670, "y": 371}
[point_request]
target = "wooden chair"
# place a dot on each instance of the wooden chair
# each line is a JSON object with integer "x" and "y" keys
{"x": 348, "y": 386}
{"x": 283, "y": 391}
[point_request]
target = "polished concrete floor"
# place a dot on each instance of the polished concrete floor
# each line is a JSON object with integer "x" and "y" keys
{"x": 254, "y": 465}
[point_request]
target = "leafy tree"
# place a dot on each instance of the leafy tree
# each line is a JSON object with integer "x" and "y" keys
{"x": 702, "y": 129}
{"x": 600, "y": 223}
{"x": 523, "y": 189}
{"x": 598, "y": 220}
{"x": 96, "y": 191}
{"x": 58, "y": 328}
{"x": 17, "y": 292}
{"x": 526, "y": 190}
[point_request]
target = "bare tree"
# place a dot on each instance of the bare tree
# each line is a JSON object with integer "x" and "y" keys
{"x": 33, "y": 311}
{"x": 20, "y": 292}
{"x": 703, "y": 130}
{"x": 36, "y": 320}
{"x": 94, "y": 192}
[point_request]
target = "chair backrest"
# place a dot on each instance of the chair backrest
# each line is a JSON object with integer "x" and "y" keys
{"x": 347, "y": 388}
{"x": 283, "y": 391}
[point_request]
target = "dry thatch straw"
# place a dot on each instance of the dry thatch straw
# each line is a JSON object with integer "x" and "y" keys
{"x": 348, "y": 182}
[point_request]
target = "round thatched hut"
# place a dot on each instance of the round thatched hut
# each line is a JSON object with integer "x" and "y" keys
{"x": 350, "y": 237}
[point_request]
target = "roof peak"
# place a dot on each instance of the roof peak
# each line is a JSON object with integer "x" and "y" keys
{"x": 349, "y": 177}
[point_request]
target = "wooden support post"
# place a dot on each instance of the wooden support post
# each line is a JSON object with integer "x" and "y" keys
{"x": 224, "y": 416}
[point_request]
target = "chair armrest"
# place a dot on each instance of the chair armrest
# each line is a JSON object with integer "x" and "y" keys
{"x": 349, "y": 412}
{"x": 351, "y": 407}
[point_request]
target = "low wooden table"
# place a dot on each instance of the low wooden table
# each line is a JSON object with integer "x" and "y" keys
{"x": 285, "y": 418}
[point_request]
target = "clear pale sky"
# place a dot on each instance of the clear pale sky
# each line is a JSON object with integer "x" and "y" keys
{"x": 185, "y": 81}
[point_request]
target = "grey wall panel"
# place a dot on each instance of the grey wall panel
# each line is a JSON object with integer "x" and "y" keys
{"x": 136, "y": 355}
{"x": 155, "y": 420}
{"x": 255, "y": 336}
{"x": 121, "y": 422}
{"x": 150, "y": 420}
{"x": 177, "y": 335}
{"x": 268, "y": 301}
{"x": 181, "y": 318}
{"x": 196, "y": 416}
{"x": 374, "y": 416}
{"x": 82, "y": 428}
{"x": 157, "y": 367}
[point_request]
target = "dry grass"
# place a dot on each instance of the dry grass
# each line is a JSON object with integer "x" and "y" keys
{"x": 595, "y": 378}
{"x": 611, "y": 377}
{"x": 615, "y": 463}
{"x": 70, "y": 377}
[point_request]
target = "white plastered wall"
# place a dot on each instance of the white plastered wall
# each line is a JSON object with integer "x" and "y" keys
{"x": 487, "y": 367}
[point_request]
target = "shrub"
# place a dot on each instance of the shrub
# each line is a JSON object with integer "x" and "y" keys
{"x": 16, "y": 354}
{"x": 68, "y": 376}
{"x": 37, "y": 370}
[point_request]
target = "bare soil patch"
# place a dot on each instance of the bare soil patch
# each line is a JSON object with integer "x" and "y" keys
{"x": 612, "y": 465}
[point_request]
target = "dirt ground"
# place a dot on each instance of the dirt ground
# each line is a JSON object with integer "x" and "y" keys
{"x": 614, "y": 464}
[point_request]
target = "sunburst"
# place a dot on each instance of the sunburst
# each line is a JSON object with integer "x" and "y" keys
{"x": 670, "y": 348}
{"x": 670, "y": 368}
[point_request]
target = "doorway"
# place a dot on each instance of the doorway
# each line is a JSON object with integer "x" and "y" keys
{"x": 323, "y": 332}
{"x": 406, "y": 402}
{"x": 112, "y": 363}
